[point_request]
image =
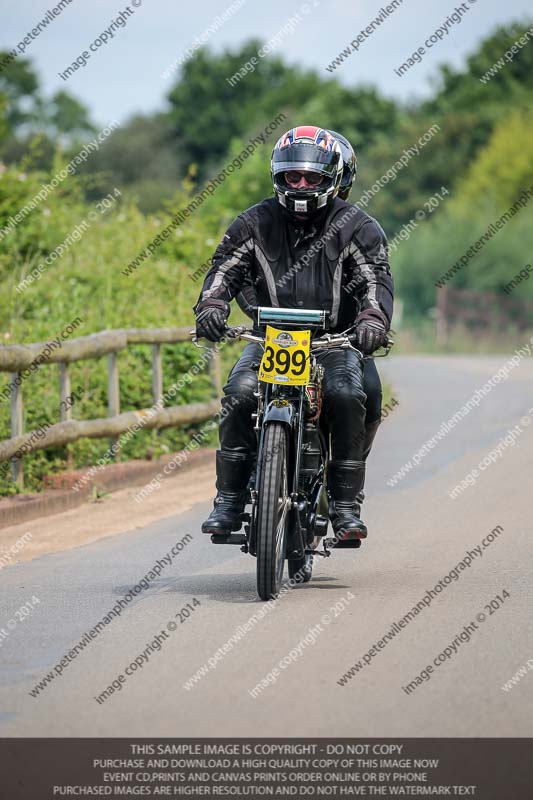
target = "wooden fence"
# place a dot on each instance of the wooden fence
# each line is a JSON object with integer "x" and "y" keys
{"x": 480, "y": 312}
{"x": 15, "y": 359}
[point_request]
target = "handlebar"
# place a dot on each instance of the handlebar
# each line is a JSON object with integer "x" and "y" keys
{"x": 325, "y": 342}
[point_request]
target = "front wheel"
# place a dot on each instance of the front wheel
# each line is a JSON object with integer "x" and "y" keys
{"x": 273, "y": 505}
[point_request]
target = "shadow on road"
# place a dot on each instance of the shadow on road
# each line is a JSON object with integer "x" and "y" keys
{"x": 236, "y": 587}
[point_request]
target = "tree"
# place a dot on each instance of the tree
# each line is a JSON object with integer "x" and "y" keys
{"x": 139, "y": 156}
{"x": 19, "y": 93}
{"x": 501, "y": 173}
{"x": 30, "y": 124}
{"x": 208, "y": 112}
{"x": 360, "y": 114}
{"x": 463, "y": 90}
{"x": 66, "y": 115}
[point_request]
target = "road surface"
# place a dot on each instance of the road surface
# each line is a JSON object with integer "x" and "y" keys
{"x": 314, "y": 634}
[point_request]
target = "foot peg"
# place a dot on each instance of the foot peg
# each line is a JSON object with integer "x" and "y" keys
{"x": 342, "y": 544}
{"x": 228, "y": 538}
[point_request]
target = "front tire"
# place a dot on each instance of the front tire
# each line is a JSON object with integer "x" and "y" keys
{"x": 273, "y": 507}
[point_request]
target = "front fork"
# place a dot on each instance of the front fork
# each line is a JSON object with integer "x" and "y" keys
{"x": 277, "y": 409}
{"x": 296, "y": 544}
{"x": 292, "y": 416}
{"x": 250, "y": 546}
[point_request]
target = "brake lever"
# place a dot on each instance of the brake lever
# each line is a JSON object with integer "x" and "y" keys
{"x": 194, "y": 340}
{"x": 234, "y": 333}
{"x": 229, "y": 333}
{"x": 387, "y": 347}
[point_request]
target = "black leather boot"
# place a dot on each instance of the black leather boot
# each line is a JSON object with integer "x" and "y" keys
{"x": 345, "y": 480}
{"x": 370, "y": 434}
{"x": 233, "y": 472}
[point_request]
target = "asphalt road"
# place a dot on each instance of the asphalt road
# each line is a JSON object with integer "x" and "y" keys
{"x": 418, "y": 534}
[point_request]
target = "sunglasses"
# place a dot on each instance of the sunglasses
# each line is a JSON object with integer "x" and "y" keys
{"x": 312, "y": 178}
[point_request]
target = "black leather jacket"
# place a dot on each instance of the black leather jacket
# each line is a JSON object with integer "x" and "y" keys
{"x": 337, "y": 261}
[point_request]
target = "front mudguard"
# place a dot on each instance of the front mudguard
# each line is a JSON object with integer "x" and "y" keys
{"x": 280, "y": 411}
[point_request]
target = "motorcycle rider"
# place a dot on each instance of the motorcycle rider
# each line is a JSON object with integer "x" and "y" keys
{"x": 247, "y": 300}
{"x": 301, "y": 249}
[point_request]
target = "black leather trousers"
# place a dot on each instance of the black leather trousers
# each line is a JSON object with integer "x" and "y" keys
{"x": 351, "y": 398}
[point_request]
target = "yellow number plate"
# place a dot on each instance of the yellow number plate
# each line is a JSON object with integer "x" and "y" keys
{"x": 286, "y": 357}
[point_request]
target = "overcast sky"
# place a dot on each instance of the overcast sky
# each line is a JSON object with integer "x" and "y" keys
{"x": 124, "y": 76}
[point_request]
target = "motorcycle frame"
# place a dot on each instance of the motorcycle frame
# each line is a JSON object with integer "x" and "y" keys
{"x": 278, "y": 403}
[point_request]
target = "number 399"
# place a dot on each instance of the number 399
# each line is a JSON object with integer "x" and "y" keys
{"x": 284, "y": 360}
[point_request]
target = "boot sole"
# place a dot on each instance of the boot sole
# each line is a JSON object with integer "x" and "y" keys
{"x": 350, "y": 535}
{"x": 218, "y": 531}
{"x": 346, "y": 544}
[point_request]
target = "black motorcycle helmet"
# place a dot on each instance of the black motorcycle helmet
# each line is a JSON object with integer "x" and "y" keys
{"x": 350, "y": 165}
{"x": 307, "y": 148}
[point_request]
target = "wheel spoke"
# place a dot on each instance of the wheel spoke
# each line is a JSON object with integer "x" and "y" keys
{"x": 280, "y": 527}
{"x": 283, "y": 506}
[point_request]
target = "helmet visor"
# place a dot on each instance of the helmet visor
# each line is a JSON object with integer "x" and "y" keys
{"x": 312, "y": 179}
{"x": 306, "y": 157}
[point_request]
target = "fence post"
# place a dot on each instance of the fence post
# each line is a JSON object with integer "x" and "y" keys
{"x": 17, "y": 426}
{"x": 442, "y": 321}
{"x": 157, "y": 374}
{"x": 113, "y": 391}
{"x": 215, "y": 368}
{"x": 65, "y": 409}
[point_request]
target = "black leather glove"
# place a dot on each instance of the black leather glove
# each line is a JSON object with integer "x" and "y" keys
{"x": 211, "y": 319}
{"x": 371, "y": 331}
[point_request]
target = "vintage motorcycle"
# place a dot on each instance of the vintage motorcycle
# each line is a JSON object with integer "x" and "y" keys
{"x": 288, "y": 516}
